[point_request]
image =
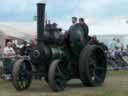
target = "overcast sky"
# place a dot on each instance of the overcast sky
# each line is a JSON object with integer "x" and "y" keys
{"x": 95, "y": 12}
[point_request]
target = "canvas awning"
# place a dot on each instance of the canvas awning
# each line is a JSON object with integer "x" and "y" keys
{"x": 25, "y": 31}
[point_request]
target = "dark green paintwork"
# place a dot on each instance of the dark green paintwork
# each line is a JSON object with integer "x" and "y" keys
{"x": 77, "y": 39}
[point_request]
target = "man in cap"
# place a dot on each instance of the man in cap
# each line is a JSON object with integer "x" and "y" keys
{"x": 84, "y": 26}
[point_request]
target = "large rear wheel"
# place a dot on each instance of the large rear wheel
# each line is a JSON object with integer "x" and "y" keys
{"x": 92, "y": 66}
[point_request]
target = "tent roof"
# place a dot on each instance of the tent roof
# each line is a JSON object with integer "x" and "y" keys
{"x": 22, "y": 30}
{"x": 113, "y": 27}
{"x": 27, "y": 30}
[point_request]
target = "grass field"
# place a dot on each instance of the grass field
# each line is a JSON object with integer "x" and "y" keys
{"x": 116, "y": 84}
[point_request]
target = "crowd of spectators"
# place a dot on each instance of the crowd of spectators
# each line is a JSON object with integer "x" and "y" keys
{"x": 11, "y": 52}
{"x": 116, "y": 53}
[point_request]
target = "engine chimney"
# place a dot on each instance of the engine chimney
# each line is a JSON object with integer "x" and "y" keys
{"x": 40, "y": 20}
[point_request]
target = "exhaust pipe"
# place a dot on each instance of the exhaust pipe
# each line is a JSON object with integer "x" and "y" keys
{"x": 40, "y": 20}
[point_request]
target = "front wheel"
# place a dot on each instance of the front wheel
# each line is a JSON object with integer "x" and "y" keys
{"x": 56, "y": 76}
{"x": 22, "y": 74}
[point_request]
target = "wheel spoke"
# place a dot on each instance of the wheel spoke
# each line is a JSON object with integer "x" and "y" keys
{"x": 59, "y": 78}
{"x": 92, "y": 62}
{"x": 59, "y": 83}
{"x": 93, "y": 77}
{"x": 58, "y": 69}
{"x": 25, "y": 83}
{"x": 98, "y": 68}
{"x": 21, "y": 84}
{"x": 97, "y": 78}
{"x": 60, "y": 72}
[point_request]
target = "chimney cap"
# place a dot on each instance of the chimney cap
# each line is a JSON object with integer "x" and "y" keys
{"x": 42, "y": 1}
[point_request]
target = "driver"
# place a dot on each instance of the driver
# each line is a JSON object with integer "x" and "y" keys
{"x": 74, "y": 21}
{"x": 84, "y": 26}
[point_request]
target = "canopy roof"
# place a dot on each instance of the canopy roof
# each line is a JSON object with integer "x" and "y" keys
{"x": 22, "y": 30}
{"x": 110, "y": 27}
{"x": 27, "y": 30}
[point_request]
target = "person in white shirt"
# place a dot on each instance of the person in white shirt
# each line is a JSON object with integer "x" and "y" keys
{"x": 8, "y": 50}
{"x": 9, "y": 53}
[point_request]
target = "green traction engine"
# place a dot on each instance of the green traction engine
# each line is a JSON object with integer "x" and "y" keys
{"x": 61, "y": 57}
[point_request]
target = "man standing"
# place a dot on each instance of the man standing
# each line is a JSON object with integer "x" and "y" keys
{"x": 9, "y": 53}
{"x": 84, "y": 26}
{"x": 74, "y": 20}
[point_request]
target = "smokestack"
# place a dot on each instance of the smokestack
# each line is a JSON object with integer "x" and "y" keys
{"x": 40, "y": 20}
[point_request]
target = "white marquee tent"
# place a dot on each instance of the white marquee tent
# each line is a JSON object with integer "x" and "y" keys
{"x": 22, "y": 30}
{"x": 114, "y": 27}
{"x": 104, "y": 30}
